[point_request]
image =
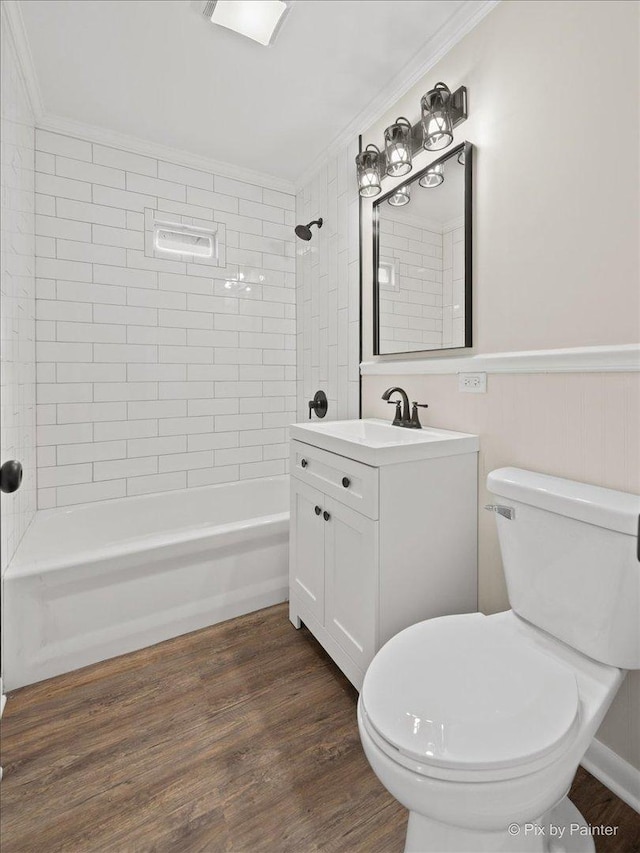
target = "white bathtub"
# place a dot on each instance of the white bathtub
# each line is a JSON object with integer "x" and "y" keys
{"x": 94, "y": 581}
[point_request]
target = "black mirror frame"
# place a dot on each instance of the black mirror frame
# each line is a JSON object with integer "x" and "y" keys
{"x": 466, "y": 148}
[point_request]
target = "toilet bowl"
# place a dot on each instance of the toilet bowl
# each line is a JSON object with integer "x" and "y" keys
{"x": 477, "y": 724}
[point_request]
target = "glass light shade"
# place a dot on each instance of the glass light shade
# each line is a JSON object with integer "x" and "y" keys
{"x": 437, "y": 126}
{"x": 397, "y": 146}
{"x": 368, "y": 167}
{"x": 433, "y": 177}
{"x": 401, "y": 196}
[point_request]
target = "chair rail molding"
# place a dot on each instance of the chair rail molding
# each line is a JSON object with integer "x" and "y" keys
{"x": 622, "y": 358}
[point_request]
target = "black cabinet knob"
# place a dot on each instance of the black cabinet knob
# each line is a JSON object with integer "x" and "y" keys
{"x": 318, "y": 510}
{"x": 303, "y": 463}
{"x": 346, "y": 482}
{"x": 326, "y": 515}
{"x": 10, "y": 476}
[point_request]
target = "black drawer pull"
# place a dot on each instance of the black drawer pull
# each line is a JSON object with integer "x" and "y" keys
{"x": 318, "y": 510}
{"x": 346, "y": 482}
{"x": 326, "y": 515}
{"x": 303, "y": 463}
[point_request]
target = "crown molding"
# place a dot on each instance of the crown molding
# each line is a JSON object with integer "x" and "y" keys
{"x": 624, "y": 358}
{"x": 113, "y": 139}
{"x": 13, "y": 20}
{"x": 461, "y": 22}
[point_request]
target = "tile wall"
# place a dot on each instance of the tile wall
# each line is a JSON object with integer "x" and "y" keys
{"x": 328, "y": 289}
{"x": 157, "y": 373}
{"x": 17, "y": 297}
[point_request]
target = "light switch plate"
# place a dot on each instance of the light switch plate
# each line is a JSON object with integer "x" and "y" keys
{"x": 473, "y": 383}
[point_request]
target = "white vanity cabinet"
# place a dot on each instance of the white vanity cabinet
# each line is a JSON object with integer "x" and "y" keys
{"x": 375, "y": 548}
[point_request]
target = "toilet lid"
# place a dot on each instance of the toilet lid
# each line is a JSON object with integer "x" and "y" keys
{"x": 462, "y": 692}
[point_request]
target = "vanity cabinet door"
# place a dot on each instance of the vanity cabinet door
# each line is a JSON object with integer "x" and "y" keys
{"x": 306, "y": 549}
{"x": 351, "y": 581}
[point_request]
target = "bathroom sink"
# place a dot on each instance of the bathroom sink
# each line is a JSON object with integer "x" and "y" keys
{"x": 377, "y": 442}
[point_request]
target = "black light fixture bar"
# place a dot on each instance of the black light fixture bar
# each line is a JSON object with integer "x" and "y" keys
{"x": 458, "y": 110}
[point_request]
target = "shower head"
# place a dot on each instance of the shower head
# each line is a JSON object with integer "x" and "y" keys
{"x": 304, "y": 231}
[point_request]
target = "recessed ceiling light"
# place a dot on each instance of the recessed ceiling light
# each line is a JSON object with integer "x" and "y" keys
{"x": 255, "y": 19}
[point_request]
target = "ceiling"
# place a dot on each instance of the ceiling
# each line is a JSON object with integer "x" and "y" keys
{"x": 159, "y": 71}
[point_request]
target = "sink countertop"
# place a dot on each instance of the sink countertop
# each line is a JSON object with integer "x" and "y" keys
{"x": 376, "y": 442}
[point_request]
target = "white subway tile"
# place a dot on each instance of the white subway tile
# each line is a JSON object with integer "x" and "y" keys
{"x": 64, "y": 475}
{"x": 107, "y": 236}
{"x": 156, "y": 335}
{"x": 67, "y": 146}
{"x": 63, "y": 187}
{"x": 261, "y": 469}
{"x": 182, "y": 175}
{"x": 239, "y": 189}
{"x": 91, "y": 213}
{"x": 83, "y": 292}
{"x": 74, "y": 251}
{"x": 155, "y": 187}
{"x": 260, "y": 211}
{"x": 185, "y": 426}
{"x": 225, "y": 423}
{"x": 48, "y": 351}
{"x": 157, "y": 409}
{"x": 212, "y": 476}
{"x": 226, "y": 406}
{"x": 82, "y": 171}
{"x": 147, "y": 279}
{"x": 156, "y": 372}
{"x": 123, "y": 391}
{"x": 156, "y": 299}
{"x": 185, "y": 319}
{"x": 121, "y": 198}
{"x": 216, "y": 201}
{"x": 64, "y": 434}
{"x": 71, "y": 372}
{"x": 186, "y": 461}
{"x": 156, "y": 446}
{"x": 237, "y": 455}
{"x": 91, "y": 452}
{"x": 67, "y": 270}
{"x": 157, "y": 483}
{"x": 67, "y": 495}
{"x": 185, "y": 355}
{"x": 90, "y": 333}
{"x": 184, "y": 390}
{"x": 211, "y": 440}
{"x": 125, "y": 160}
{"x": 278, "y": 199}
{"x": 125, "y": 315}
{"x": 113, "y": 430}
{"x": 69, "y": 413}
{"x": 124, "y": 352}
{"x": 122, "y": 468}
{"x": 61, "y": 392}
{"x": 51, "y": 226}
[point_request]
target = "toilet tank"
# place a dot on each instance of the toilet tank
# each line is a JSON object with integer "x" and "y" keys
{"x": 571, "y": 561}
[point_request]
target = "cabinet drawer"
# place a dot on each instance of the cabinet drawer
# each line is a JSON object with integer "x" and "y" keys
{"x": 351, "y": 483}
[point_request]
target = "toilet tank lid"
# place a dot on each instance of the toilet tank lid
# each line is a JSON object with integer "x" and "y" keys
{"x": 607, "y": 508}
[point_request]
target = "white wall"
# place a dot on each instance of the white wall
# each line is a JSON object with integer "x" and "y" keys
{"x": 555, "y": 258}
{"x": 152, "y": 374}
{"x": 327, "y": 272}
{"x": 17, "y": 296}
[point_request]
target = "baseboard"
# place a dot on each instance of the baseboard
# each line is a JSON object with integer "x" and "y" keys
{"x": 613, "y": 771}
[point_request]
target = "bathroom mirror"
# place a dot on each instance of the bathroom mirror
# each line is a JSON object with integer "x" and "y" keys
{"x": 422, "y": 259}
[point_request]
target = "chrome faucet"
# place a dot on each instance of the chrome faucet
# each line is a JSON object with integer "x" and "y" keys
{"x": 402, "y": 417}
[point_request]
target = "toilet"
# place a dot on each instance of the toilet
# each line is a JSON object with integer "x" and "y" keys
{"x": 477, "y": 724}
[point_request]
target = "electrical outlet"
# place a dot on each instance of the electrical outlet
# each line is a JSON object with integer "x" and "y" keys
{"x": 474, "y": 383}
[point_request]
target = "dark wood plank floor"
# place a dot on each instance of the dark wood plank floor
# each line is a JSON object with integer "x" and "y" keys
{"x": 239, "y": 738}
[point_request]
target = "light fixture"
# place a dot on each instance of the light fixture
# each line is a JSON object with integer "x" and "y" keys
{"x": 400, "y": 196}
{"x": 433, "y": 177}
{"x": 397, "y": 147}
{"x": 437, "y": 124}
{"x": 368, "y": 166}
{"x": 255, "y": 19}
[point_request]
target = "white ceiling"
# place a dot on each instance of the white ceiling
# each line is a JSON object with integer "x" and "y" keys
{"x": 157, "y": 70}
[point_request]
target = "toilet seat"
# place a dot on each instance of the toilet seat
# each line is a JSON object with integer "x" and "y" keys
{"x": 463, "y": 694}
